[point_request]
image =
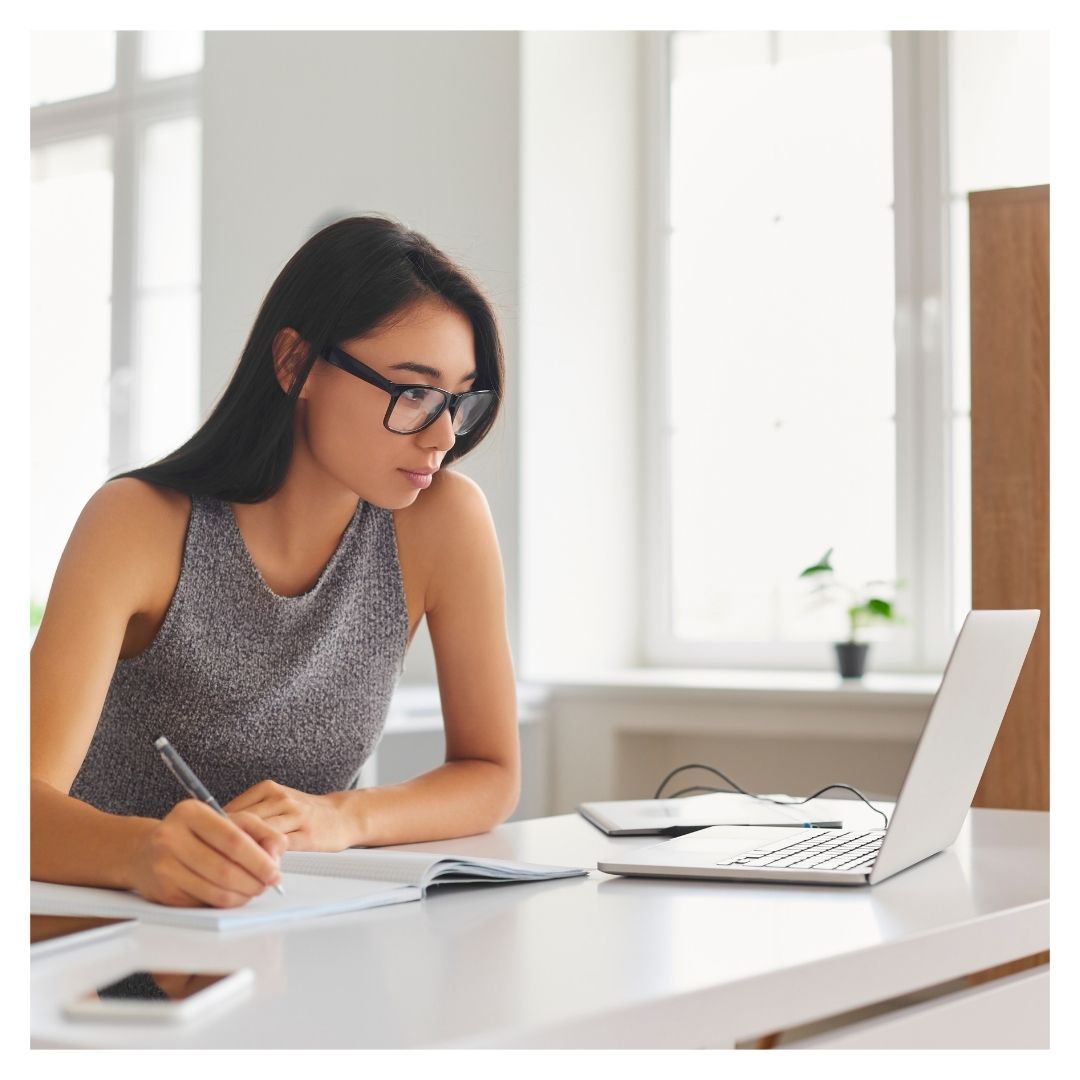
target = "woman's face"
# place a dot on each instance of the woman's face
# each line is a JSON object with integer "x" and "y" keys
{"x": 342, "y": 416}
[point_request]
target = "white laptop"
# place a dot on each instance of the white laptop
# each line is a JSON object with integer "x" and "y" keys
{"x": 941, "y": 781}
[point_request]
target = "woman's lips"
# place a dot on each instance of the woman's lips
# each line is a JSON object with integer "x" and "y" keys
{"x": 420, "y": 479}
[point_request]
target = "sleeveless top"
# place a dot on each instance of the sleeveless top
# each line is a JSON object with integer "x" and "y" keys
{"x": 248, "y": 685}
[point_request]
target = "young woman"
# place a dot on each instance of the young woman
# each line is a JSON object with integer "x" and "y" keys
{"x": 252, "y": 595}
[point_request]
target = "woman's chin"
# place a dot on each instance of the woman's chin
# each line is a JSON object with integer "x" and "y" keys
{"x": 396, "y": 501}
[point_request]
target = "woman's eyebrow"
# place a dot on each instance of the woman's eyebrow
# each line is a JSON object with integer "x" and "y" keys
{"x": 430, "y": 372}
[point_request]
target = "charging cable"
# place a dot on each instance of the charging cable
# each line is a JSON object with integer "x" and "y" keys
{"x": 764, "y": 798}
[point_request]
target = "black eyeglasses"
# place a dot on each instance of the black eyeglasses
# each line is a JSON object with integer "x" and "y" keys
{"x": 413, "y": 408}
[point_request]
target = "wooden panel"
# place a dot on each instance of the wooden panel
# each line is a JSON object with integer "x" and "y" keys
{"x": 1010, "y": 450}
{"x": 819, "y": 1032}
{"x": 1012, "y": 1013}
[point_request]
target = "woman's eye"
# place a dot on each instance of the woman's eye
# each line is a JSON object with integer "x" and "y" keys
{"x": 415, "y": 397}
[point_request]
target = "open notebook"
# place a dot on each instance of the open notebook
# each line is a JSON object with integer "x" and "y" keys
{"x": 314, "y": 884}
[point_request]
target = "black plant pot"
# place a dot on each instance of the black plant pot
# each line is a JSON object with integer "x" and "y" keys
{"x": 851, "y": 656}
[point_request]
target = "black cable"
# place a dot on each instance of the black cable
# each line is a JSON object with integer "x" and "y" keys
{"x": 709, "y": 768}
{"x": 829, "y": 787}
{"x": 764, "y": 798}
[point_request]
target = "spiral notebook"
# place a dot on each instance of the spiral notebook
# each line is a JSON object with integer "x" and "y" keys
{"x": 315, "y": 884}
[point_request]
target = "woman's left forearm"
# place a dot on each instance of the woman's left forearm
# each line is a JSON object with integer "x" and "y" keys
{"x": 459, "y": 798}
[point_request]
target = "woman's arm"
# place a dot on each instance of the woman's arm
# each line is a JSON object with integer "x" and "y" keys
{"x": 451, "y": 530}
{"x": 104, "y": 577}
{"x": 465, "y": 601}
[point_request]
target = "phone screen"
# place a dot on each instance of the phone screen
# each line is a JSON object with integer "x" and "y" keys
{"x": 161, "y": 986}
{"x": 161, "y": 995}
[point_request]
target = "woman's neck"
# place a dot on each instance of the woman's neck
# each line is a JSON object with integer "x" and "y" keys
{"x": 304, "y": 518}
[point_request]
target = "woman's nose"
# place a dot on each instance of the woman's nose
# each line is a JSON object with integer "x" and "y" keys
{"x": 440, "y": 434}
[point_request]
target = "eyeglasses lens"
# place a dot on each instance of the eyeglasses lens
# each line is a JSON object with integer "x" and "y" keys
{"x": 415, "y": 408}
{"x": 471, "y": 411}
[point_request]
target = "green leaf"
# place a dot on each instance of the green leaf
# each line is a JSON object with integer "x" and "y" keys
{"x": 881, "y": 608}
{"x": 822, "y": 566}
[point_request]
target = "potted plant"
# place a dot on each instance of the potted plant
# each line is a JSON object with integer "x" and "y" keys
{"x": 864, "y": 608}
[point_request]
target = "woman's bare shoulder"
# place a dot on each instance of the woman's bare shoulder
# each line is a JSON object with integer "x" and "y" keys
{"x": 122, "y": 559}
{"x": 453, "y": 505}
{"x": 131, "y": 505}
{"x": 136, "y": 527}
{"x": 444, "y": 524}
{"x": 447, "y": 527}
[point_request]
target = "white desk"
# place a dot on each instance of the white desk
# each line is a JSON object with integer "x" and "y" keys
{"x": 596, "y": 962}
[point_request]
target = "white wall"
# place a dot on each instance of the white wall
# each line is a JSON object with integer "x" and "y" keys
{"x": 520, "y": 154}
{"x": 618, "y": 740}
{"x": 581, "y": 333}
{"x": 422, "y": 126}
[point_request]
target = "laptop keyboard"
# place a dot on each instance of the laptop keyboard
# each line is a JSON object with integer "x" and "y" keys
{"x": 820, "y": 849}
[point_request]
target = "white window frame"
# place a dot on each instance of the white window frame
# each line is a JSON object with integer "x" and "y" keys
{"x": 923, "y": 384}
{"x": 123, "y": 113}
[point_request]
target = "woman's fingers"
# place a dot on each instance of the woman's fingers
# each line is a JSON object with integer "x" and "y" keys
{"x": 254, "y": 795}
{"x": 203, "y": 890}
{"x": 289, "y": 826}
{"x": 229, "y": 855}
{"x": 195, "y": 856}
{"x": 267, "y": 832}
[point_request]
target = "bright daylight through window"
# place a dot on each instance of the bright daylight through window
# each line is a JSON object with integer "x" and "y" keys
{"x": 116, "y": 172}
{"x": 817, "y": 367}
{"x": 781, "y": 304}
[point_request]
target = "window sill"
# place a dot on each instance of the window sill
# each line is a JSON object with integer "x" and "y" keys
{"x": 905, "y": 696}
{"x": 785, "y": 687}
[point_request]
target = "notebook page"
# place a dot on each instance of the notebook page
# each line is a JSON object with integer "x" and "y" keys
{"x": 455, "y": 869}
{"x": 304, "y": 897}
{"x": 401, "y": 867}
{"x": 416, "y": 867}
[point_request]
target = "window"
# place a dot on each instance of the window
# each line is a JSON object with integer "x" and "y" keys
{"x": 810, "y": 397}
{"x": 115, "y": 158}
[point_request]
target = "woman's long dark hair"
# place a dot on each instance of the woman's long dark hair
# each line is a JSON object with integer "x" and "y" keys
{"x": 349, "y": 279}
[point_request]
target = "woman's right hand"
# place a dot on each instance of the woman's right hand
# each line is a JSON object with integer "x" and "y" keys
{"x": 194, "y": 857}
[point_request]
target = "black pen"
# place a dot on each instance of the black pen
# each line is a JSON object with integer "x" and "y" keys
{"x": 782, "y": 825}
{"x": 189, "y": 781}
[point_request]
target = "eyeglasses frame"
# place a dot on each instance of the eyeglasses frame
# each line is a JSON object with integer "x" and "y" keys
{"x": 343, "y": 360}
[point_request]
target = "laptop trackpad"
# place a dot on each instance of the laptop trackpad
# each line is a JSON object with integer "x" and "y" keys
{"x": 728, "y": 840}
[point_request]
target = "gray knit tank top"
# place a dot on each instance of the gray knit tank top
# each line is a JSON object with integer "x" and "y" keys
{"x": 249, "y": 685}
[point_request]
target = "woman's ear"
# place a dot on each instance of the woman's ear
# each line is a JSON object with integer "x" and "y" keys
{"x": 289, "y": 351}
